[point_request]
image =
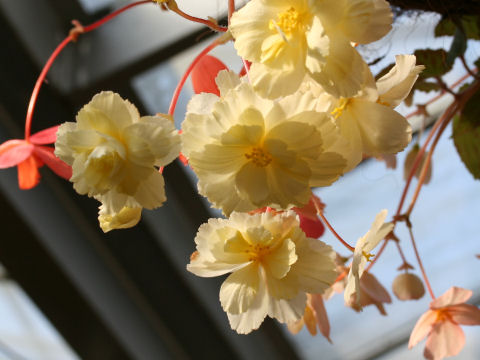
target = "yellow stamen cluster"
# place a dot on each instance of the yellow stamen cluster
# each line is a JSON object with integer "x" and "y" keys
{"x": 259, "y": 157}
{"x": 341, "y": 105}
{"x": 367, "y": 256}
{"x": 287, "y": 22}
{"x": 257, "y": 251}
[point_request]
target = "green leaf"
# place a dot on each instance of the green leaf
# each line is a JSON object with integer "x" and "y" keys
{"x": 426, "y": 86}
{"x": 458, "y": 48}
{"x": 466, "y": 135}
{"x": 469, "y": 24}
{"x": 435, "y": 62}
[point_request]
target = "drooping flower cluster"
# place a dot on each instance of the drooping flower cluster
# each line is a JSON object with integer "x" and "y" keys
{"x": 115, "y": 156}
{"x": 273, "y": 266}
{"x": 304, "y": 110}
{"x": 289, "y": 40}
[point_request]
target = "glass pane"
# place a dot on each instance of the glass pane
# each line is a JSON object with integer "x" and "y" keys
{"x": 25, "y": 333}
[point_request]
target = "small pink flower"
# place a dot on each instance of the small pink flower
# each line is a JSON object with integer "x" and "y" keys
{"x": 441, "y": 323}
{"x": 29, "y": 156}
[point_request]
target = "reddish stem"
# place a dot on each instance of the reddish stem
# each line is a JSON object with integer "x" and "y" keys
{"x": 420, "y": 264}
{"x": 208, "y": 23}
{"x": 114, "y": 14}
{"x": 39, "y": 83}
{"x": 184, "y": 78}
{"x": 57, "y": 51}
{"x": 379, "y": 252}
{"x": 231, "y": 9}
{"x": 330, "y": 227}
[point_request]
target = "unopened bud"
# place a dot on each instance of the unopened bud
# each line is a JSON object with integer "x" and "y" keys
{"x": 408, "y": 286}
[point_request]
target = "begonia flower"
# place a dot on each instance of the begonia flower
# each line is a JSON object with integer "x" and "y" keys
{"x": 315, "y": 315}
{"x": 441, "y": 324}
{"x": 249, "y": 152}
{"x": 273, "y": 266}
{"x": 363, "y": 247}
{"x": 115, "y": 155}
{"x": 288, "y": 39}
{"x": 367, "y": 120}
{"x": 29, "y": 155}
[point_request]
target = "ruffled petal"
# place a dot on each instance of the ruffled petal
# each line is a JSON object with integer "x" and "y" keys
{"x": 239, "y": 290}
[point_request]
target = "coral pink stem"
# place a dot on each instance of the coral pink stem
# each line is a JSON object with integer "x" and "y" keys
{"x": 176, "y": 94}
{"x": 330, "y": 227}
{"x": 57, "y": 51}
{"x": 231, "y": 9}
{"x": 420, "y": 263}
{"x": 39, "y": 83}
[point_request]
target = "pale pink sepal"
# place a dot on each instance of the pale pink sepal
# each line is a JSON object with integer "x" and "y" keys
{"x": 422, "y": 328}
{"x": 47, "y": 136}
{"x": 13, "y": 152}
{"x": 321, "y": 316}
{"x": 464, "y": 314}
{"x": 453, "y": 296}
{"x": 446, "y": 339}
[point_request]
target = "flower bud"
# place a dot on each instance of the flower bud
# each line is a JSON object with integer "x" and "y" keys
{"x": 408, "y": 286}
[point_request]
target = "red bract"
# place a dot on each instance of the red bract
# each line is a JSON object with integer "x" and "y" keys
{"x": 311, "y": 225}
{"x": 204, "y": 74}
{"x": 29, "y": 155}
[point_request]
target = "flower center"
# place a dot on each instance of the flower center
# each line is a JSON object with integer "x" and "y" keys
{"x": 287, "y": 22}
{"x": 259, "y": 157}
{"x": 257, "y": 252}
{"x": 341, "y": 105}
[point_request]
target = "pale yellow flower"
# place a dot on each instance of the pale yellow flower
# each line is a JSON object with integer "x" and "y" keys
{"x": 361, "y": 254}
{"x": 288, "y": 39}
{"x": 249, "y": 152}
{"x": 273, "y": 266}
{"x": 368, "y": 120}
{"x": 125, "y": 218}
{"x": 115, "y": 155}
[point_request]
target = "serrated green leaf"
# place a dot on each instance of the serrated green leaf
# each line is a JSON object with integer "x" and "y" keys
{"x": 458, "y": 47}
{"x": 466, "y": 135}
{"x": 470, "y": 25}
{"x": 435, "y": 62}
